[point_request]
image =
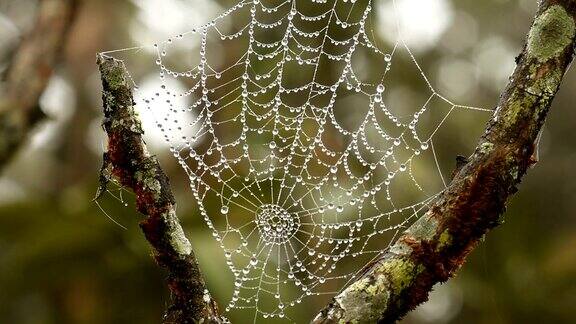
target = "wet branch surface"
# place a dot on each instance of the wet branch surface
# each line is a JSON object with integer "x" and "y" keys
{"x": 129, "y": 162}
{"x": 29, "y": 72}
{"x": 436, "y": 246}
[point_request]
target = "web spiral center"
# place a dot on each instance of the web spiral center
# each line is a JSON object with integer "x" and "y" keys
{"x": 275, "y": 224}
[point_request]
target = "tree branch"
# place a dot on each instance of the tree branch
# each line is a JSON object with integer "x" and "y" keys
{"x": 128, "y": 161}
{"x": 29, "y": 73}
{"x": 436, "y": 246}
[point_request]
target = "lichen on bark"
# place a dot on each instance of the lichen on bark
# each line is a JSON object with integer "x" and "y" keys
{"x": 553, "y": 30}
{"x": 364, "y": 301}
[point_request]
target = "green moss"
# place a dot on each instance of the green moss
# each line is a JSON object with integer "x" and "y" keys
{"x": 553, "y": 30}
{"x": 364, "y": 300}
{"x": 114, "y": 74}
{"x": 486, "y": 147}
{"x": 444, "y": 239}
{"x": 547, "y": 84}
{"x": 516, "y": 105}
{"x": 400, "y": 273}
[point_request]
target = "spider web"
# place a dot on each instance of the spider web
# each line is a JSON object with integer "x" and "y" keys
{"x": 299, "y": 167}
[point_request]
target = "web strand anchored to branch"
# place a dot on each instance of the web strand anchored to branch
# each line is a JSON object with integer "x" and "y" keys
{"x": 299, "y": 166}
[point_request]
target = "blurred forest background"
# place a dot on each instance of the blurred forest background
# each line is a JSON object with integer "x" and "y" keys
{"x": 63, "y": 261}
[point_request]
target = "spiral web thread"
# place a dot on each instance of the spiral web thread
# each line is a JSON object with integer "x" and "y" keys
{"x": 297, "y": 195}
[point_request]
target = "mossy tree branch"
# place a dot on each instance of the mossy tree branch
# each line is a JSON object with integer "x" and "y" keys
{"x": 436, "y": 246}
{"x": 129, "y": 162}
{"x": 29, "y": 73}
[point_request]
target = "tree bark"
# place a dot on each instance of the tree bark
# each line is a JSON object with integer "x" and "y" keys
{"x": 29, "y": 73}
{"x": 436, "y": 245}
{"x": 128, "y": 161}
